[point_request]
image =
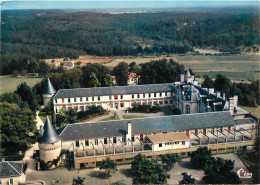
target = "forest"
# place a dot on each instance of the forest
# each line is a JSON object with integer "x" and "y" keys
{"x": 42, "y": 34}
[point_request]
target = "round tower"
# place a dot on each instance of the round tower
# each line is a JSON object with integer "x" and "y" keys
{"x": 50, "y": 146}
{"x": 48, "y": 93}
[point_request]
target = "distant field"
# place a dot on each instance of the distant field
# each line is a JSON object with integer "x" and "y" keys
{"x": 9, "y": 83}
{"x": 236, "y": 67}
{"x": 255, "y": 111}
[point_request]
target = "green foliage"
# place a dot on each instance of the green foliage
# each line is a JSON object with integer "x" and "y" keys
{"x": 146, "y": 171}
{"x": 109, "y": 166}
{"x": 187, "y": 179}
{"x": 161, "y": 71}
{"x": 219, "y": 171}
{"x": 200, "y": 157}
{"x": 117, "y": 183}
{"x": 27, "y": 95}
{"x": 208, "y": 82}
{"x": 121, "y": 73}
{"x": 222, "y": 84}
{"x": 16, "y": 126}
{"x": 133, "y": 68}
{"x": 170, "y": 160}
{"x": 11, "y": 98}
{"x": 145, "y": 108}
{"x": 78, "y": 181}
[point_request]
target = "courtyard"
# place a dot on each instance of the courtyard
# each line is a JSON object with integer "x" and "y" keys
{"x": 96, "y": 176}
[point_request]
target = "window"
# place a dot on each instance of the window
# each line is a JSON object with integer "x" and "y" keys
{"x": 160, "y": 144}
{"x": 99, "y": 98}
{"x": 96, "y": 141}
{"x": 149, "y": 95}
{"x": 115, "y": 97}
{"x": 122, "y": 97}
{"x": 160, "y": 94}
{"x": 86, "y": 98}
{"x": 62, "y": 100}
{"x": 110, "y": 97}
{"x": 141, "y": 137}
{"x": 55, "y": 100}
{"x": 221, "y": 129}
{"x": 133, "y": 138}
{"x": 69, "y": 100}
{"x": 123, "y": 139}
{"x": 75, "y": 99}
{"x": 154, "y": 94}
{"x": 133, "y": 96}
{"x": 213, "y": 130}
{"x": 165, "y": 93}
{"x": 114, "y": 139}
{"x": 144, "y": 95}
{"x": 77, "y": 143}
{"x": 138, "y": 96}
{"x": 187, "y": 109}
{"x": 183, "y": 142}
{"x": 1, "y": 182}
{"x": 105, "y": 141}
{"x": 81, "y": 100}
{"x": 93, "y": 98}
{"x": 196, "y": 132}
{"x": 11, "y": 181}
{"x": 86, "y": 142}
{"x": 121, "y": 104}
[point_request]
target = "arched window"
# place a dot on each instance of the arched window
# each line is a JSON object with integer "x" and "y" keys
{"x": 187, "y": 109}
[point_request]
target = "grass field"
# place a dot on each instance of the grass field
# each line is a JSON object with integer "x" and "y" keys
{"x": 9, "y": 83}
{"x": 236, "y": 67}
{"x": 134, "y": 116}
{"x": 255, "y": 111}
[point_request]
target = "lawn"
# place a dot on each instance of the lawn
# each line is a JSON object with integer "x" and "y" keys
{"x": 9, "y": 83}
{"x": 110, "y": 119}
{"x": 134, "y": 116}
{"x": 255, "y": 111}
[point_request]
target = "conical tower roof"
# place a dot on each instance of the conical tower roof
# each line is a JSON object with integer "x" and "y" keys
{"x": 49, "y": 134}
{"x": 49, "y": 89}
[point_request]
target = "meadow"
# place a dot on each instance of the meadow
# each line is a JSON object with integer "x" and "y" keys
{"x": 9, "y": 83}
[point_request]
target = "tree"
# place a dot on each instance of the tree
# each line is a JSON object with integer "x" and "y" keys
{"x": 170, "y": 160}
{"x": 219, "y": 171}
{"x": 222, "y": 84}
{"x": 146, "y": 171}
{"x": 17, "y": 125}
{"x": 121, "y": 73}
{"x": 161, "y": 71}
{"x": 133, "y": 68}
{"x": 44, "y": 68}
{"x": 208, "y": 82}
{"x": 78, "y": 181}
{"x": 11, "y": 98}
{"x": 109, "y": 166}
{"x": 27, "y": 95}
{"x": 200, "y": 157}
{"x": 187, "y": 179}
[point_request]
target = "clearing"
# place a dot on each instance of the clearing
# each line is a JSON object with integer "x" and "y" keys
{"x": 255, "y": 111}
{"x": 9, "y": 83}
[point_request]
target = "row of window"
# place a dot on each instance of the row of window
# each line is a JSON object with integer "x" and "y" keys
{"x": 116, "y": 97}
{"x": 172, "y": 143}
{"x": 106, "y": 141}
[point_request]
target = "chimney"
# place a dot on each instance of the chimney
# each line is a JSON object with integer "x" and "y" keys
{"x": 182, "y": 78}
{"x": 41, "y": 130}
{"x": 129, "y": 133}
{"x": 195, "y": 82}
{"x": 3, "y": 159}
{"x": 218, "y": 94}
{"x": 211, "y": 90}
{"x": 235, "y": 100}
{"x": 224, "y": 96}
{"x": 231, "y": 105}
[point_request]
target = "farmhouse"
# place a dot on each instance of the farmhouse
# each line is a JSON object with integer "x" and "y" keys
{"x": 11, "y": 173}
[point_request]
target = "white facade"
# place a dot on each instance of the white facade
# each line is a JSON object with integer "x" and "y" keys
{"x": 123, "y": 101}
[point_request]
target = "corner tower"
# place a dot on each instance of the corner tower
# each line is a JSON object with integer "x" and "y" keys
{"x": 50, "y": 146}
{"x": 48, "y": 93}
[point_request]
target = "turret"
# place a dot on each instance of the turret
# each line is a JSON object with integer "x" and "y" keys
{"x": 48, "y": 93}
{"x": 50, "y": 145}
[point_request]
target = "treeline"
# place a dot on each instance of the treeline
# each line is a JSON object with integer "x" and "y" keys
{"x": 248, "y": 94}
{"x": 51, "y": 34}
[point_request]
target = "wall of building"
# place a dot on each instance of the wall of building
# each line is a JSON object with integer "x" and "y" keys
{"x": 170, "y": 145}
{"x": 47, "y": 99}
{"x": 48, "y": 152}
{"x": 112, "y": 102}
{"x": 16, "y": 180}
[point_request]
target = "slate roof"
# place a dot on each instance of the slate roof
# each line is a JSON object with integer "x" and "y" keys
{"x": 49, "y": 89}
{"x": 146, "y": 125}
{"x": 244, "y": 121}
{"x": 113, "y": 90}
{"x": 49, "y": 134}
{"x": 10, "y": 169}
